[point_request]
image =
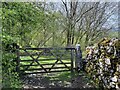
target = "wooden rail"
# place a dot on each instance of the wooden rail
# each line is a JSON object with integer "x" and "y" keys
{"x": 37, "y": 61}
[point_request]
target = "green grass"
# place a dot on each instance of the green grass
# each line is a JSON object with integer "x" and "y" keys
{"x": 43, "y": 62}
{"x": 62, "y": 76}
{"x": 113, "y": 34}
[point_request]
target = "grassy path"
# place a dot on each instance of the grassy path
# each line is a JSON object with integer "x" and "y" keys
{"x": 57, "y": 80}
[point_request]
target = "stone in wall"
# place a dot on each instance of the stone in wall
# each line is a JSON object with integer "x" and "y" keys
{"x": 103, "y": 62}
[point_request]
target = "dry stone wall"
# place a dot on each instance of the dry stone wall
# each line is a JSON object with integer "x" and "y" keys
{"x": 103, "y": 63}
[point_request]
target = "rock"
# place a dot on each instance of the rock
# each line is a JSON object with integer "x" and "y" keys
{"x": 103, "y": 62}
{"x": 114, "y": 79}
{"x": 107, "y": 61}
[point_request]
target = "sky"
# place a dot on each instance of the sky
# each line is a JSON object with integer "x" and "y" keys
{"x": 58, "y": 0}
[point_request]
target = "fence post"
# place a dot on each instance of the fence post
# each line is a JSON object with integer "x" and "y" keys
{"x": 18, "y": 61}
{"x": 72, "y": 61}
{"x": 72, "y": 58}
{"x": 78, "y": 62}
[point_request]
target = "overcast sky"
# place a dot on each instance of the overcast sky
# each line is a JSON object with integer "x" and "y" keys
{"x": 59, "y": 0}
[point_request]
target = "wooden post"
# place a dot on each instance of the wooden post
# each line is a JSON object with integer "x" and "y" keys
{"x": 78, "y": 62}
{"x": 72, "y": 64}
{"x": 18, "y": 61}
{"x": 72, "y": 61}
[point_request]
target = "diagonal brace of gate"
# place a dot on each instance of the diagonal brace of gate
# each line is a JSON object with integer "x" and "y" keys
{"x": 34, "y": 60}
{"x": 58, "y": 60}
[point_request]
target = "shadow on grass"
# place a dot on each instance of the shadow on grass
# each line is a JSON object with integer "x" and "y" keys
{"x": 62, "y": 79}
{"x": 57, "y": 80}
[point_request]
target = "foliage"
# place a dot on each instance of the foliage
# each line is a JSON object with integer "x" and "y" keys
{"x": 33, "y": 25}
{"x": 19, "y": 19}
{"x": 38, "y": 24}
{"x": 10, "y": 78}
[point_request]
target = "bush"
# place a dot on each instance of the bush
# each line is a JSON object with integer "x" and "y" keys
{"x": 10, "y": 78}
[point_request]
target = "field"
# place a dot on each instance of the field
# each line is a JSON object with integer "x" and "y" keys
{"x": 47, "y": 62}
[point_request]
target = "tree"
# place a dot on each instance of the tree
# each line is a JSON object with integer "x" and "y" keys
{"x": 19, "y": 19}
{"x": 86, "y": 20}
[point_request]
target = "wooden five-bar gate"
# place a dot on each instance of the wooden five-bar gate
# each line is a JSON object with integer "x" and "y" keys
{"x": 45, "y": 60}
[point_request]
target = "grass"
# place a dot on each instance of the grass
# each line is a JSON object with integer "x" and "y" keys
{"x": 43, "y": 62}
{"x": 62, "y": 76}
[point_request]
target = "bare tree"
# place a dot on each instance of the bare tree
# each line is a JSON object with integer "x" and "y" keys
{"x": 78, "y": 21}
{"x": 86, "y": 19}
{"x": 74, "y": 14}
{"x": 96, "y": 18}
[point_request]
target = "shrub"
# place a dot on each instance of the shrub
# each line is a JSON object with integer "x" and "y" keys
{"x": 10, "y": 78}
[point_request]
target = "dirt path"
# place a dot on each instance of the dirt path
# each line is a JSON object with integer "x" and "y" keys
{"x": 41, "y": 81}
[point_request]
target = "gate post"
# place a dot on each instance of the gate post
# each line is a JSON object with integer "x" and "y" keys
{"x": 72, "y": 60}
{"x": 78, "y": 61}
{"x": 18, "y": 61}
